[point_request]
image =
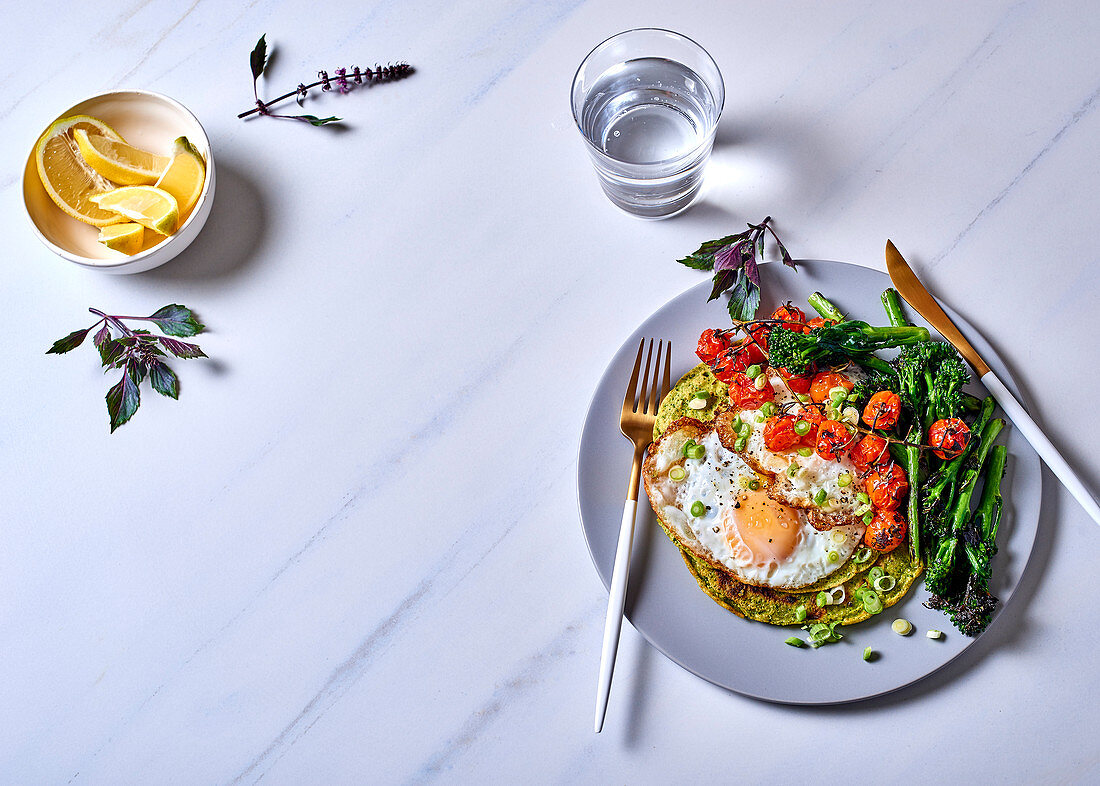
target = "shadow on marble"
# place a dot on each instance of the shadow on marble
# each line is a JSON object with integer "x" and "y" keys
{"x": 233, "y": 236}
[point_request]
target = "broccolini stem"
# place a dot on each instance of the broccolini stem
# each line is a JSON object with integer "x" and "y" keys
{"x": 988, "y": 510}
{"x": 912, "y": 468}
{"x": 822, "y": 306}
{"x": 892, "y": 305}
{"x": 966, "y": 490}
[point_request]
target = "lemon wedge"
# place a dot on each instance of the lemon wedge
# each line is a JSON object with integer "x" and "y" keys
{"x": 151, "y": 207}
{"x": 127, "y": 238}
{"x": 66, "y": 176}
{"x": 184, "y": 177}
{"x": 118, "y": 161}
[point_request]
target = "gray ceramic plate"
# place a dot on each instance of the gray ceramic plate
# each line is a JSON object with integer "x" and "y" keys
{"x": 666, "y": 605}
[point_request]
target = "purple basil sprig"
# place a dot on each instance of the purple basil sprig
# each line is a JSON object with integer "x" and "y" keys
{"x": 138, "y": 353}
{"x": 258, "y": 60}
{"x": 734, "y": 260}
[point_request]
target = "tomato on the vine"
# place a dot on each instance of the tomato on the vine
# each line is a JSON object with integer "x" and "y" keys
{"x": 779, "y": 433}
{"x": 886, "y": 531}
{"x": 882, "y": 409}
{"x": 886, "y": 486}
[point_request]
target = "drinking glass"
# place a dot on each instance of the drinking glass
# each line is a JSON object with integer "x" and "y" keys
{"x": 647, "y": 102}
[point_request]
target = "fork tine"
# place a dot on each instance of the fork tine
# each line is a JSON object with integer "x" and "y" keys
{"x": 645, "y": 379}
{"x": 667, "y": 386}
{"x": 654, "y": 399}
{"x": 632, "y": 385}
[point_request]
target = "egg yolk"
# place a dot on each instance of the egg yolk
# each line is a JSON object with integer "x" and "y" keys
{"x": 759, "y": 529}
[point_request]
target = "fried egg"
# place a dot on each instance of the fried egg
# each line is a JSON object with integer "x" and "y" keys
{"x": 797, "y": 488}
{"x": 741, "y": 529}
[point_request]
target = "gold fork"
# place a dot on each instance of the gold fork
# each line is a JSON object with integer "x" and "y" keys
{"x": 636, "y": 421}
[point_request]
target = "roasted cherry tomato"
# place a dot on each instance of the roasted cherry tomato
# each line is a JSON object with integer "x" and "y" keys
{"x": 793, "y": 316}
{"x": 886, "y": 486}
{"x": 833, "y": 439}
{"x": 711, "y": 342}
{"x": 882, "y": 410}
{"x": 869, "y": 450}
{"x": 779, "y": 433}
{"x": 826, "y": 381}
{"x": 737, "y": 358}
{"x": 744, "y": 393}
{"x": 886, "y": 531}
{"x": 949, "y": 437}
{"x": 758, "y": 334}
{"x": 819, "y": 322}
{"x": 798, "y": 383}
{"x": 813, "y": 416}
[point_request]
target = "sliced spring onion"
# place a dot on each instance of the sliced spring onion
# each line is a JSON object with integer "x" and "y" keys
{"x": 875, "y": 573}
{"x": 884, "y": 583}
{"x": 824, "y": 598}
{"x": 688, "y": 446}
{"x": 853, "y": 398}
{"x": 861, "y": 496}
{"x": 701, "y": 394}
{"x": 760, "y": 382}
{"x": 697, "y": 403}
{"x": 743, "y": 482}
{"x": 698, "y": 508}
{"x": 753, "y": 371}
{"x": 872, "y": 603}
{"x": 902, "y": 627}
{"x": 805, "y": 452}
{"x": 794, "y": 641}
{"x": 820, "y": 497}
{"x": 844, "y": 480}
{"x": 768, "y": 408}
{"x": 741, "y": 443}
{"x": 754, "y": 485}
{"x": 677, "y": 474}
{"x": 837, "y": 537}
{"x": 792, "y": 470}
{"x": 863, "y": 555}
{"x": 934, "y": 634}
{"x": 833, "y": 556}
{"x": 868, "y": 517}
{"x": 867, "y": 653}
{"x": 850, "y": 415}
{"x": 803, "y": 398}
{"x": 800, "y": 614}
{"x": 838, "y": 595}
{"x": 832, "y": 413}
{"x": 838, "y": 393}
{"x": 802, "y": 427}
{"x": 697, "y": 452}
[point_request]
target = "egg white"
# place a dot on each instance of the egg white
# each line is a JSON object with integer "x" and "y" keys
{"x": 714, "y": 480}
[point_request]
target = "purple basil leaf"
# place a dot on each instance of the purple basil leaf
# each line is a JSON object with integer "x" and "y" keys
{"x": 760, "y": 245}
{"x": 748, "y": 262}
{"x": 782, "y": 250}
{"x": 102, "y": 335}
{"x": 123, "y": 400}
{"x": 703, "y": 257}
{"x": 182, "y": 349}
{"x": 164, "y": 380}
{"x": 136, "y": 370}
{"x": 723, "y": 280}
{"x": 110, "y": 351}
{"x": 731, "y": 257}
{"x": 69, "y": 343}
{"x": 313, "y": 120}
{"x": 176, "y": 320}
{"x": 744, "y": 300}
{"x": 258, "y": 58}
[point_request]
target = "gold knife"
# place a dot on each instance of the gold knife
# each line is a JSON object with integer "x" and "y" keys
{"x": 910, "y": 288}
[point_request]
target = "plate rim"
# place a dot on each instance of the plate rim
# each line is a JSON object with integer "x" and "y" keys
{"x": 1004, "y": 373}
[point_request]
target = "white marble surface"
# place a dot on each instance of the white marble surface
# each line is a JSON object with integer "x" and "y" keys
{"x": 350, "y": 553}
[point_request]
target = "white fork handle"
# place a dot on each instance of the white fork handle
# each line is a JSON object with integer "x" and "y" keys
{"x": 613, "y": 624}
{"x": 1042, "y": 445}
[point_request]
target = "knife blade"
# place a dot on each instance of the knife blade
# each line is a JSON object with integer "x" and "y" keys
{"x": 914, "y": 293}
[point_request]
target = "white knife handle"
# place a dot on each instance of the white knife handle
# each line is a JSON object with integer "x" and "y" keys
{"x": 1042, "y": 445}
{"x": 615, "y": 602}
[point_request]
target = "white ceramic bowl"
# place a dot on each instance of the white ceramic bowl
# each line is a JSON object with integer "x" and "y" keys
{"x": 147, "y": 120}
